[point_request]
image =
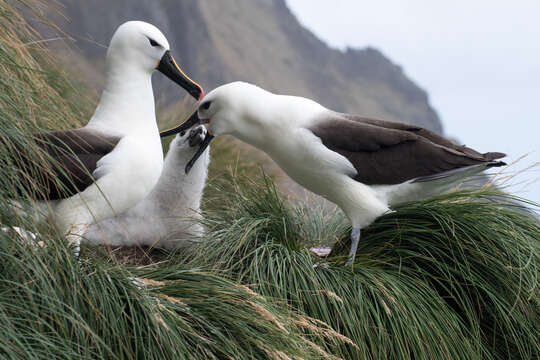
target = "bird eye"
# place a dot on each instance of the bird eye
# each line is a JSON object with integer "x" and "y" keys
{"x": 153, "y": 42}
{"x": 206, "y": 105}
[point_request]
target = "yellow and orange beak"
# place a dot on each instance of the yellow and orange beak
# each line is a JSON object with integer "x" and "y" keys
{"x": 168, "y": 67}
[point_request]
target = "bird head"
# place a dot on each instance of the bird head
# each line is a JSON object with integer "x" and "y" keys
{"x": 141, "y": 46}
{"x": 228, "y": 109}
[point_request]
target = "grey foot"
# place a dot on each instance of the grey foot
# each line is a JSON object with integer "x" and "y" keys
{"x": 355, "y": 240}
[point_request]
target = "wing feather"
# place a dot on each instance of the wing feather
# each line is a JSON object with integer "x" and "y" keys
{"x": 389, "y": 153}
{"x": 69, "y": 164}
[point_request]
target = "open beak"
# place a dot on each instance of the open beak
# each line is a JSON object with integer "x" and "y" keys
{"x": 168, "y": 67}
{"x": 193, "y": 120}
{"x": 204, "y": 144}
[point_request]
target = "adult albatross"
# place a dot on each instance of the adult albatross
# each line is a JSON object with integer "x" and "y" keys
{"x": 363, "y": 165}
{"x": 114, "y": 161}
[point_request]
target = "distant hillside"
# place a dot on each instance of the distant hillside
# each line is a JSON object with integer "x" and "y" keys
{"x": 259, "y": 41}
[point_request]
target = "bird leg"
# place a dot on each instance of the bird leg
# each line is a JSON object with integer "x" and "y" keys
{"x": 74, "y": 236}
{"x": 355, "y": 239}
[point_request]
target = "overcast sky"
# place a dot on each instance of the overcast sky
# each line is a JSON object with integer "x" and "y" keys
{"x": 478, "y": 60}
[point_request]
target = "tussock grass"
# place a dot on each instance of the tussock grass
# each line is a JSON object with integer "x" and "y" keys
{"x": 453, "y": 277}
{"x": 52, "y": 306}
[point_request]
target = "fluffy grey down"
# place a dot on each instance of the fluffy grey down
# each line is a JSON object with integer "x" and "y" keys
{"x": 168, "y": 216}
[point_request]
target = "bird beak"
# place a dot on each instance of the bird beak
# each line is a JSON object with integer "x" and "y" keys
{"x": 205, "y": 143}
{"x": 168, "y": 67}
{"x": 193, "y": 120}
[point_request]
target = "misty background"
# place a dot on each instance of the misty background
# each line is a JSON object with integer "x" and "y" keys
{"x": 469, "y": 70}
{"x": 478, "y": 61}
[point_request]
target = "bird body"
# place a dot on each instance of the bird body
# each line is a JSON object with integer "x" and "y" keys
{"x": 123, "y": 178}
{"x": 282, "y": 130}
{"x": 362, "y": 165}
{"x": 126, "y": 110}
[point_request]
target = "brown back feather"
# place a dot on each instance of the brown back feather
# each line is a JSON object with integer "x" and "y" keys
{"x": 384, "y": 152}
{"x": 70, "y": 157}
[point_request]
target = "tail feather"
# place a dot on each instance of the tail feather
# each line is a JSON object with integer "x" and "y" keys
{"x": 496, "y": 164}
{"x": 490, "y": 156}
{"x": 458, "y": 173}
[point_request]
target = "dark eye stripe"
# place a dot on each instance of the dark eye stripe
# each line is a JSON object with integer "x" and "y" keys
{"x": 153, "y": 42}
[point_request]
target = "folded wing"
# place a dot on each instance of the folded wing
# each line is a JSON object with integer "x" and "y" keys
{"x": 68, "y": 164}
{"x": 384, "y": 152}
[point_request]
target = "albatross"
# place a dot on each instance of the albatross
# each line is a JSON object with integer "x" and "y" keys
{"x": 113, "y": 162}
{"x": 363, "y": 165}
{"x": 168, "y": 217}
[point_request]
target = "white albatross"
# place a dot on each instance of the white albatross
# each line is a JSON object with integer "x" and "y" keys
{"x": 168, "y": 216}
{"x": 362, "y": 165}
{"x": 114, "y": 161}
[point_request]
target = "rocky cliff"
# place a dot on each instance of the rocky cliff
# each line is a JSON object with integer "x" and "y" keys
{"x": 258, "y": 41}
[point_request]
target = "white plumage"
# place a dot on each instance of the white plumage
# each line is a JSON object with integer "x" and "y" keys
{"x": 363, "y": 165}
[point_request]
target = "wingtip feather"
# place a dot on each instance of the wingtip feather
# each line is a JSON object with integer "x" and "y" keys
{"x": 497, "y": 163}
{"x": 494, "y": 155}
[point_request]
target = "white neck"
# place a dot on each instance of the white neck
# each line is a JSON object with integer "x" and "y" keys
{"x": 127, "y": 105}
{"x": 268, "y": 120}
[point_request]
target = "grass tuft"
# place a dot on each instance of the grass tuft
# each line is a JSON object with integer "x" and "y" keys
{"x": 453, "y": 277}
{"x": 52, "y": 306}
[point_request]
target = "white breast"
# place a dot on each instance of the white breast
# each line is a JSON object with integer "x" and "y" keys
{"x": 130, "y": 172}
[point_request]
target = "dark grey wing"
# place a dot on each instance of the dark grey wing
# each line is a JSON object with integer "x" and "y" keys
{"x": 391, "y": 153}
{"x": 427, "y": 134}
{"x": 69, "y": 159}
